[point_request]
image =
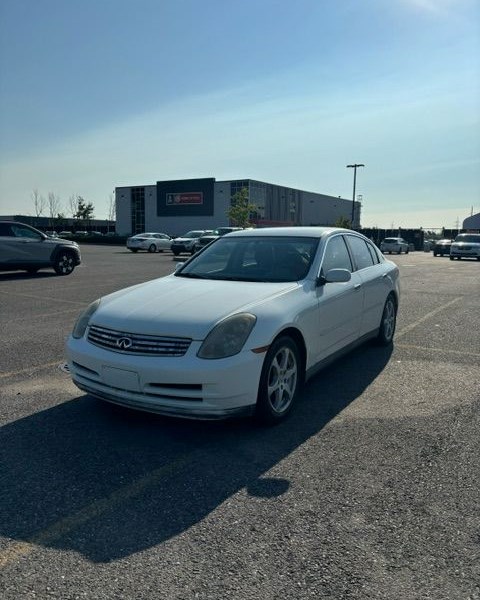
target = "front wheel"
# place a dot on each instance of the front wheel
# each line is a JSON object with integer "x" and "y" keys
{"x": 388, "y": 322}
{"x": 279, "y": 382}
{"x": 152, "y": 248}
{"x": 64, "y": 263}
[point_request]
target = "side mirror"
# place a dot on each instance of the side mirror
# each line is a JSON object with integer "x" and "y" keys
{"x": 335, "y": 276}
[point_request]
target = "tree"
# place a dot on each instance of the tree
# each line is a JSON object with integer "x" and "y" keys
{"x": 53, "y": 206}
{"x": 241, "y": 209}
{"x": 343, "y": 222}
{"x": 84, "y": 209}
{"x": 38, "y": 202}
{"x": 73, "y": 205}
{"x": 112, "y": 209}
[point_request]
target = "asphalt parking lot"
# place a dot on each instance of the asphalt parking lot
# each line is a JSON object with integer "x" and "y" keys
{"x": 369, "y": 490}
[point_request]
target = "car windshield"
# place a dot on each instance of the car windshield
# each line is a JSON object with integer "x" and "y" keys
{"x": 268, "y": 259}
{"x": 391, "y": 240}
{"x": 193, "y": 234}
{"x": 471, "y": 238}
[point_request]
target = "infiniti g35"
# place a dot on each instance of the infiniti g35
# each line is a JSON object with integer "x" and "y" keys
{"x": 239, "y": 327}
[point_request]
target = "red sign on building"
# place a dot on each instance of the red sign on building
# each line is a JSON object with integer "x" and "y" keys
{"x": 185, "y": 198}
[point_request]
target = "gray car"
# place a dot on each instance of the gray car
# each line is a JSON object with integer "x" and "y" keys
{"x": 24, "y": 248}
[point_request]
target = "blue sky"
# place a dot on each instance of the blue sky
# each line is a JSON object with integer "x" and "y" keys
{"x": 104, "y": 93}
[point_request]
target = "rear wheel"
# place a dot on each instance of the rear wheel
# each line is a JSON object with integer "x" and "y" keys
{"x": 133, "y": 249}
{"x": 388, "y": 322}
{"x": 64, "y": 263}
{"x": 280, "y": 381}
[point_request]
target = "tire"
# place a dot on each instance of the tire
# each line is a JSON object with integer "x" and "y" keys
{"x": 133, "y": 249}
{"x": 152, "y": 248}
{"x": 435, "y": 254}
{"x": 407, "y": 250}
{"x": 280, "y": 381}
{"x": 451, "y": 257}
{"x": 64, "y": 263}
{"x": 175, "y": 252}
{"x": 388, "y": 322}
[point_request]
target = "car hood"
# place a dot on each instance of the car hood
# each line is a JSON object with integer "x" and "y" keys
{"x": 62, "y": 241}
{"x": 181, "y": 307}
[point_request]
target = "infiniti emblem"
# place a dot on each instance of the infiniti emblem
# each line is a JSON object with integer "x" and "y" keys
{"x": 124, "y": 343}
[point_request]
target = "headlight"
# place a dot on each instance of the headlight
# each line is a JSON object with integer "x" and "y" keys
{"x": 228, "y": 337}
{"x": 83, "y": 319}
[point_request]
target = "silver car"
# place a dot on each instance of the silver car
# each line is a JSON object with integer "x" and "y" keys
{"x": 150, "y": 242}
{"x": 466, "y": 245}
{"x": 394, "y": 244}
{"x": 25, "y": 248}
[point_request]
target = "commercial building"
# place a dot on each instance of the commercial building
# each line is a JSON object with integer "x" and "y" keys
{"x": 472, "y": 223}
{"x": 176, "y": 206}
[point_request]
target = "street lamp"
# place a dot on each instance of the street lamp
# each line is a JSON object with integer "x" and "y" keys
{"x": 354, "y": 167}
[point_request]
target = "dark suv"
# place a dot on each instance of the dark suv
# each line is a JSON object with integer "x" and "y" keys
{"x": 25, "y": 248}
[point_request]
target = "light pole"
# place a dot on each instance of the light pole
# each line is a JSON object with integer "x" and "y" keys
{"x": 354, "y": 167}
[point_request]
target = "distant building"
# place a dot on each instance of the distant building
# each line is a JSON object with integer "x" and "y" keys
{"x": 176, "y": 206}
{"x": 472, "y": 223}
{"x": 64, "y": 224}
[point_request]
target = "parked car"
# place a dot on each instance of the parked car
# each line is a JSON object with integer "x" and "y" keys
{"x": 27, "y": 249}
{"x": 466, "y": 245}
{"x": 150, "y": 242}
{"x": 394, "y": 244}
{"x": 238, "y": 327}
{"x": 51, "y": 234}
{"x": 442, "y": 247}
{"x": 208, "y": 237}
{"x": 186, "y": 242}
{"x": 65, "y": 234}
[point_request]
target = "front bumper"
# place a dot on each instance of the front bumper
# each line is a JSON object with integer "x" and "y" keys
{"x": 185, "y": 386}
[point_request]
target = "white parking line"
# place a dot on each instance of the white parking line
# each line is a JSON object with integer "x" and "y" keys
{"x": 95, "y": 509}
{"x": 438, "y": 350}
{"x": 31, "y": 369}
{"x": 32, "y": 296}
{"x": 426, "y": 317}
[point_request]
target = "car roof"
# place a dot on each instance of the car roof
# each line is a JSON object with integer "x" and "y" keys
{"x": 316, "y": 232}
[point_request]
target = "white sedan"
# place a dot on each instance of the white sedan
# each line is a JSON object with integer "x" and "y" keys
{"x": 151, "y": 242}
{"x": 239, "y": 327}
{"x": 394, "y": 244}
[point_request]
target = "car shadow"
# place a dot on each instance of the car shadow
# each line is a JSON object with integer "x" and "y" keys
{"x": 108, "y": 482}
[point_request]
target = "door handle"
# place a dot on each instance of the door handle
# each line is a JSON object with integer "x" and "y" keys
{"x": 357, "y": 286}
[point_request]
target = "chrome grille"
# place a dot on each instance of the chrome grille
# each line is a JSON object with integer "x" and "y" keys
{"x": 134, "y": 343}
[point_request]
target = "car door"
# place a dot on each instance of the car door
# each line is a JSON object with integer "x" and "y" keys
{"x": 340, "y": 305}
{"x": 162, "y": 241}
{"x": 374, "y": 278}
{"x": 21, "y": 244}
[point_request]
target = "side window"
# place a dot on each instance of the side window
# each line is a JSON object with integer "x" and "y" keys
{"x": 360, "y": 251}
{"x": 24, "y": 232}
{"x": 336, "y": 256}
{"x": 373, "y": 253}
